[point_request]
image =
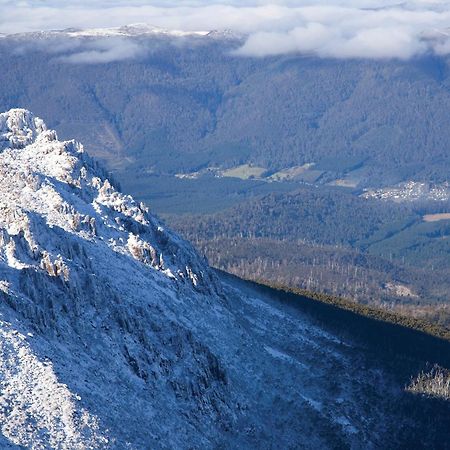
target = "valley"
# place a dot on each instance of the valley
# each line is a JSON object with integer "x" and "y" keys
{"x": 189, "y": 133}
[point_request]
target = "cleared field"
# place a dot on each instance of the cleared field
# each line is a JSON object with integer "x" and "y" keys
{"x": 342, "y": 182}
{"x": 244, "y": 172}
{"x": 291, "y": 173}
{"x": 436, "y": 217}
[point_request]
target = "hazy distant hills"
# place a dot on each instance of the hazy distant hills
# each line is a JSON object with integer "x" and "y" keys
{"x": 180, "y": 104}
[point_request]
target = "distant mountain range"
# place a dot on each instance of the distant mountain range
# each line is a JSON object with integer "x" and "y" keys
{"x": 159, "y": 101}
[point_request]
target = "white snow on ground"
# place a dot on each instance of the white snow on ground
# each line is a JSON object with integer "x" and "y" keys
{"x": 53, "y": 416}
{"x": 137, "y": 29}
{"x": 280, "y": 355}
{"x": 94, "y": 277}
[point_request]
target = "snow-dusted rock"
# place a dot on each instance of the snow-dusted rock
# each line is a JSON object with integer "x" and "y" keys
{"x": 58, "y": 181}
{"x": 19, "y": 128}
{"x": 90, "y": 269}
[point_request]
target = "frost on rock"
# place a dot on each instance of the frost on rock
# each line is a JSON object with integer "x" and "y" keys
{"x": 86, "y": 267}
{"x": 19, "y": 127}
{"x": 52, "y": 417}
{"x": 57, "y": 180}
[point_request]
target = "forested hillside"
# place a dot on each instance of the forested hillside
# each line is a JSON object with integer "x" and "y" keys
{"x": 331, "y": 241}
{"x": 188, "y": 104}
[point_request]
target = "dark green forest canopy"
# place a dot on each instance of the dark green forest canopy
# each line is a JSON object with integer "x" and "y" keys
{"x": 182, "y": 108}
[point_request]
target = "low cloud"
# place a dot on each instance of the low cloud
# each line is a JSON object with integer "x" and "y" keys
{"x": 343, "y": 32}
{"x": 318, "y": 39}
{"x": 78, "y": 50}
{"x": 105, "y": 50}
{"x": 335, "y": 28}
{"x": 53, "y": 45}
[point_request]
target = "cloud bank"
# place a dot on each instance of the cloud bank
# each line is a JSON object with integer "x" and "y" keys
{"x": 106, "y": 50}
{"x": 336, "y": 28}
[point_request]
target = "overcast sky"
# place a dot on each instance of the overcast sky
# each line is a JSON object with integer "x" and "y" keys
{"x": 334, "y": 28}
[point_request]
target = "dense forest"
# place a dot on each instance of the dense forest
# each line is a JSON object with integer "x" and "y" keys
{"x": 374, "y": 252}
{"x": 192, "y": 104}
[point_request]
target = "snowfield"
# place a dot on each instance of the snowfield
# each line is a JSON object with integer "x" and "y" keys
{"x": 115, "y": 333}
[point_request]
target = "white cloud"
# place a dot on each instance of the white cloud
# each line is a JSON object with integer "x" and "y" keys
{"x": 349, "y": 32}
{"x": 325, "y": 41}
{"x": 105, "y": 50}
{"x": 334, "y": 28}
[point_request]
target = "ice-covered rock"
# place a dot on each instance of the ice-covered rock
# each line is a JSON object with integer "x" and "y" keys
{"x": 42, "y": 175}
{"x": 89, "y": 268}
{"x": 18, "y": 128}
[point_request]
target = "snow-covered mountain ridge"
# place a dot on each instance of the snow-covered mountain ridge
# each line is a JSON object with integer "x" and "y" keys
{"x": 43, "y": 175}
{"x": 135, "y": 30}
{"x": 69, "y": 244}
{"x": 115, "y": 333}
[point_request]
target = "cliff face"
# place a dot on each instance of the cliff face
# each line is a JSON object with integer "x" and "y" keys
{"x": 59, "y": 182}
{"x": 114, "y": 333}
{"x": 88, "y": 274}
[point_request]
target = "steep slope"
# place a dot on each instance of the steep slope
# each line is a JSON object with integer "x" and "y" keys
{"x": 78, "y": 260}
{"x": 115, "y": 334}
